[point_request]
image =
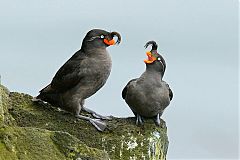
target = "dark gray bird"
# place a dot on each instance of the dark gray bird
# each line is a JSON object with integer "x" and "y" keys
{"x": 149, "y": 95}
{"x": 82, "y": 76}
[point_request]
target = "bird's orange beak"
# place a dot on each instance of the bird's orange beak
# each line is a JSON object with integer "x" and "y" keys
{"x": 150, "y": 59}
{"x": 109, "y": 42}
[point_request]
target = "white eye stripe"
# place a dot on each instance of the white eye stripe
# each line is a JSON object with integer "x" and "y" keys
{"x": 91, "y": 39}
{"x": 159, "y": 59}
{"x": 163, "y": 65}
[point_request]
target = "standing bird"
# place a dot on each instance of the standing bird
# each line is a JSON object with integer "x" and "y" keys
{"x": 82, "y": 76}
{"x": 149, "y": 95}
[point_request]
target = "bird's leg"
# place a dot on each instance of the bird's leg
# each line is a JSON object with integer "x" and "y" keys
{"x": 37, "y": 100}
{"x": 93, "y": 113}
{"x": 139, "y": 120}
{"x": 100, "y": 125}
{"x": 96, "y": 115}
{"x": 157, "y": 119}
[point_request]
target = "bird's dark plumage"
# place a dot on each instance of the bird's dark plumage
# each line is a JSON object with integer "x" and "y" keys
{"x": 124, "y": 92}
{"x": 149, "y": 95}
{"x": 83, "y": 74}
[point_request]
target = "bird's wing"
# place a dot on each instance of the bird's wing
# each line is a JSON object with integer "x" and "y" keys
{"x": 170, "y": 91}
{"x": 124, "y": 91}
{"x": 69, "y": 75}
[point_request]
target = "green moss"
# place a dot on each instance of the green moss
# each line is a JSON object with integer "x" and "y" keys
{"x": 5, "y": 105}
{"x": 71, "y": 138}
{"x": 73, "y": 148}
{"x": 31, "y": 143}
{"x": 6, "y": 154}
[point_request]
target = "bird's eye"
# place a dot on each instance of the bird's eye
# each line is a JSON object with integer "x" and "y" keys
{"x": 102, "y": 36}
{"x": 159, "y": 59}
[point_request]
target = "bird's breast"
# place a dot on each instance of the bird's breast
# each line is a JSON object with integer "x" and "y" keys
{"x": 97, "y": 75}
{"x": 147, "y": 100}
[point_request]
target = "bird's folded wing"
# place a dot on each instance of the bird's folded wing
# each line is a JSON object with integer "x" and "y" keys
{"x": 69, "y": 75}
{"x": 170, "y": 91}
{"x": 124, "y": 91}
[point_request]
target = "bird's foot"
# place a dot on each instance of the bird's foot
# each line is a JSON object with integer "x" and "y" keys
{"x": 101, "y": 116}
{"x": 97, "y": 123}
{"x": 100, "y": 125}
{"x": 139, "y": 120}
{"x": 96, "y": 115}
{"x": 37, "y": 100}
{"x": 157, "y": 120}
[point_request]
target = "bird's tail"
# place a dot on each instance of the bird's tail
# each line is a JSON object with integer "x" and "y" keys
{"x": 47, "y": 95}
{"x": 51, "y": 98}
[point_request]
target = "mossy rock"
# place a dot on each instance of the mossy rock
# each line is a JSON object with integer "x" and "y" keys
{"x": 5, "y": 104}
{"x": 40, "y": 131}
{"x": 33, "y": 143}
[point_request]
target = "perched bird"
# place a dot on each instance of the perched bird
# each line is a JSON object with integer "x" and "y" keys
{"x": 149, "y": 95}
{"x": 82, "y": 76}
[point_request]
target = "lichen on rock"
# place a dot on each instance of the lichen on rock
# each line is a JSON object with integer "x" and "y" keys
{"x": 5, "y": 118}
{"x": 39, "y": 131}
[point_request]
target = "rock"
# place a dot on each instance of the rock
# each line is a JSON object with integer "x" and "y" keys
{"x": 5, "y": 118}
{"x": 39, "y": 131}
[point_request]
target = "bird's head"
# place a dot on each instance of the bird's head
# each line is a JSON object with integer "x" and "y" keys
{"x": 154, "y": 60}
{"x": 101, "y": 38}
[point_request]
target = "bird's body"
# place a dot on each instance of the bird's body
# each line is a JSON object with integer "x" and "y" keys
{"x": 89, "y": 72}
{"x": 83, "y": 74}
{"x": 149, "y": 95}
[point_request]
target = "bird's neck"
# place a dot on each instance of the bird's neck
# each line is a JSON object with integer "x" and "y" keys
{"x": 152, "y": 69}
{"x": 153, "y": 74}
{"x": 89, "y": 46}
{"x": 100, "y": 54}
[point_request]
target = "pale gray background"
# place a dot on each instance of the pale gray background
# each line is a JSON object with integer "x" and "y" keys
{"x": 198, "y": 39}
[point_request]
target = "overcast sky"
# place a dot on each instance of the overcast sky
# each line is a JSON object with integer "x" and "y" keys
{"x": 197, "y": 38}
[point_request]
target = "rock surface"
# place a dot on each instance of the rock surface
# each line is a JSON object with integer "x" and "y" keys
{"x": 39, "y": 131}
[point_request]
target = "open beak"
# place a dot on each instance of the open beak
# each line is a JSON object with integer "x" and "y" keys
{"x": 150, "y": 59}
{"x": 109, "y": 42}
